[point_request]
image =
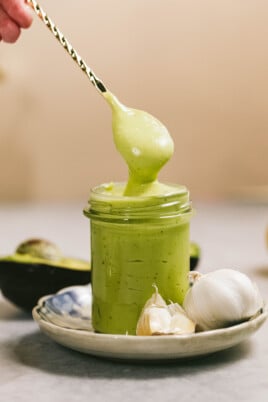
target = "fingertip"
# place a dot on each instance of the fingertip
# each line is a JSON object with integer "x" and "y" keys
{"x": 10, "y": 33}
{"x": 19, "y": 12}
{"x": 27, "y": 19}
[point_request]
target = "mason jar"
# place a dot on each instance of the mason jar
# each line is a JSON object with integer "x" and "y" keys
{"x": 137, "y": 243}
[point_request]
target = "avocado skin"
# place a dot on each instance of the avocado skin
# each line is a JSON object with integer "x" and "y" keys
{"x": 195, "y": 252}
{"x": 24, "y": 284}
{"x": 193, "y": 263}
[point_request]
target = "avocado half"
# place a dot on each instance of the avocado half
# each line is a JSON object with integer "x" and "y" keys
{"x": 38, "y": 270}
{"x": 195, "y": 252}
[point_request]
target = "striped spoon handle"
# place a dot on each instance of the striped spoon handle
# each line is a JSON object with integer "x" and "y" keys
{"x": 98, "y": 84}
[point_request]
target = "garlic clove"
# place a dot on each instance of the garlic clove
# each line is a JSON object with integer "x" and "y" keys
{"x": 180, "y": 323}
{"x": 153, "y": 320}
{"x": 158, "y": 318}
{"x": 222, "y": 298}
{"x": 156, "y": 300}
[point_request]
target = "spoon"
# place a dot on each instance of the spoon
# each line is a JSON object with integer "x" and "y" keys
{"x": 98, "y": 84}
{"x": 142, "y": 140}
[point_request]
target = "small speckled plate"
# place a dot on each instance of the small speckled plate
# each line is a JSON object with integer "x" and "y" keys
{"x": 65, "y": 318}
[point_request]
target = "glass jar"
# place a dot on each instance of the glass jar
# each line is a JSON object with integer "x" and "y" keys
{"x": 136, "y": 243}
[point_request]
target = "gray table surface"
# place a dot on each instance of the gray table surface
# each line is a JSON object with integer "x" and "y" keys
{"x": 34, "y": 368}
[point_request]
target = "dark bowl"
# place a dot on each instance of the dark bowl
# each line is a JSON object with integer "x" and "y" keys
{"x": 24, "y": 283}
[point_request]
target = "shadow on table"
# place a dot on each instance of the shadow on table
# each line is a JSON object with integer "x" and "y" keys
{"x": 9, "y": 312}
{"x": 262, "y": 271}
{"x": 38, "y": 351}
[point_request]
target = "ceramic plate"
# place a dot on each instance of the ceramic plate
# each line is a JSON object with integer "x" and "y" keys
{"x": 65, "y": 318}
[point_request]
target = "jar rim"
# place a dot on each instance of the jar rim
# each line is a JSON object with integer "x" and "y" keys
{"x": 103, "y": 205}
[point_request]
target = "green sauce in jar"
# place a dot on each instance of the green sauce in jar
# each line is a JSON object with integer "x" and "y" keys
{"x": 139, "y": 229}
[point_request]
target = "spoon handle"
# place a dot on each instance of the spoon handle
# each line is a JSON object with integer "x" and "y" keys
{"x": 98, "y": 84}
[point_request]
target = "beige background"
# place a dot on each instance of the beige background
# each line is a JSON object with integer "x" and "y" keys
{"x": 201, "y": 67}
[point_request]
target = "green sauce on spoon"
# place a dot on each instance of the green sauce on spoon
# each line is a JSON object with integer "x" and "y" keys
{"x": 145, "y": 144}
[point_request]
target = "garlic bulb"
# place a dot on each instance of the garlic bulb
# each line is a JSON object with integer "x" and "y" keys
{"x": 221, "y": 298}
{"x": 158, "y": 318}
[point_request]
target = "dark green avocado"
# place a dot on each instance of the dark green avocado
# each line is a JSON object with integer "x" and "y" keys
{"x": 38, "y": 268}
{"x": 194, "y": 255}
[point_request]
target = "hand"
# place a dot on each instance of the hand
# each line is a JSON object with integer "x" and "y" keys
{"x": 14, "y": 15}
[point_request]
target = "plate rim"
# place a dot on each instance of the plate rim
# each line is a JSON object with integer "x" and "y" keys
{"x": 117, "y": 343}
{"x": 261, "y": 318}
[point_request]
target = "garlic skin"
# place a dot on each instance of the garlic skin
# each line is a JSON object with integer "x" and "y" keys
{"x": 221, "y": 298}
{"x": 158, "y": 318}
